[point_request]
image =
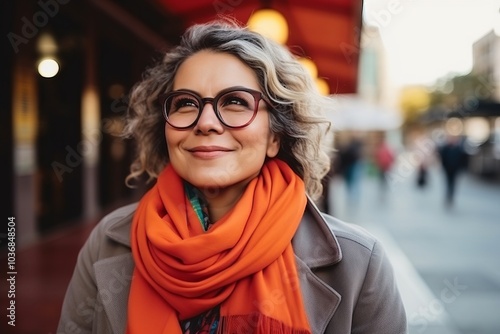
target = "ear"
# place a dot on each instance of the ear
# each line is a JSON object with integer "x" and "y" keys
{"x": 273, "y": 145}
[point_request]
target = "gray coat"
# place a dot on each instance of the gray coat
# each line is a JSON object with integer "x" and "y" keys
{"x": 346, "y": 279}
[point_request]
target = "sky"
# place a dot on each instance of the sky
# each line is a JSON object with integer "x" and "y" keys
{"x": 428, "y": 39}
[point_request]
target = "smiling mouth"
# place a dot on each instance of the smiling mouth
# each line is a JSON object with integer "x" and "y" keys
{"x": 207, "y": 152}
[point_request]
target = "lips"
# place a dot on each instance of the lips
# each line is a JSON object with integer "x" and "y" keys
{"x": 207, "y": 152}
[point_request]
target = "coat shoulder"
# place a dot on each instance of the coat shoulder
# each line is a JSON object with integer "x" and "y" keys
{"x": 116, "y": 224}
{"x": 350, "y": 232}
{"x": 117, "y": 215}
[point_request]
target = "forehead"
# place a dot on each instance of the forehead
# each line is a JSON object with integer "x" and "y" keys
{"x": 208, "y": 72}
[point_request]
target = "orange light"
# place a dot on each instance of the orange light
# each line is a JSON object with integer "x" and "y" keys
{"x": 322, "y": 86}
{"x": 310, "y": 66}
{"x": 269, "y": 23}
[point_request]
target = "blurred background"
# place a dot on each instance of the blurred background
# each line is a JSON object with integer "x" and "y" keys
{"x": 416, "y": 132}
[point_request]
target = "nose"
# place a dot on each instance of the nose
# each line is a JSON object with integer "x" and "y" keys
{"x": 208, "y": 121}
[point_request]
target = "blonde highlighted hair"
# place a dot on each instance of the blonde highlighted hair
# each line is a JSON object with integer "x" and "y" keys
{"x": 297, "y": 116}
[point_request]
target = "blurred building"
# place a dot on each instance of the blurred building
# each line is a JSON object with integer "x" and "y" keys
{"x": 69, "y": 67}
{"x": 61, "y": 117}
{"x": 483, "y": 117}
{"x": 372, "y": 75}
{"x": 368, "y": 113}
{"x": 486, "y": 61}
{"x": 374, "y": 87}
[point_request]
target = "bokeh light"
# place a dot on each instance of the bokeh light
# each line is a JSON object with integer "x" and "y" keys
{"x": 48, "y": 67}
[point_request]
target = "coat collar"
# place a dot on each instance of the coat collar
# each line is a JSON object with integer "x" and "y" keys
{"x": 326, "y": 250}
{"x": 320, "y": 299}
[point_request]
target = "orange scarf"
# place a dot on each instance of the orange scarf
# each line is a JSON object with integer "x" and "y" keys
{"x": 245, "y": 262}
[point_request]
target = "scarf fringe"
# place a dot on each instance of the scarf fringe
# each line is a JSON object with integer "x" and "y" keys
{"x": 256, "y": 323}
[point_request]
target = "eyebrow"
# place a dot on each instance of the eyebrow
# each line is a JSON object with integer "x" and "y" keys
{"x": 223, "y": 89}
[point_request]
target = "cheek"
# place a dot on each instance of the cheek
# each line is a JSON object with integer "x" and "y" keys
{"x": 258, "y": 146}
{"x": 172, "y": 139}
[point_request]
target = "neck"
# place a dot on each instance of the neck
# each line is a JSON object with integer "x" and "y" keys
{"x": 221, "y": 200}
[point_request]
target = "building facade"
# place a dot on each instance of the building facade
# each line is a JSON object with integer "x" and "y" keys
{"x": 486, "y": 61}
{"x": 65, "y": 161}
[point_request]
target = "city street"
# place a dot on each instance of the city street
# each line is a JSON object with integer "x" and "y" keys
{"x": 446, "y": 260}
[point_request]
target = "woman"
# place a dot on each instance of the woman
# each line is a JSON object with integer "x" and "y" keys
{"x": 226, "y": 241}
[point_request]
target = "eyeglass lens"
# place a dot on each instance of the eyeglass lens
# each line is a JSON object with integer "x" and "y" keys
{"x": 235, "y": 108}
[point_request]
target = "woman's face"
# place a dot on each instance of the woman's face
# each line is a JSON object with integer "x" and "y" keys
{"x": 209, "y": 155}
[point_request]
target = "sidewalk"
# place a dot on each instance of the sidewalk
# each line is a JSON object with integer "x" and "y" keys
{"x": 445, "y": 261}
{"x": 425, "y": 311}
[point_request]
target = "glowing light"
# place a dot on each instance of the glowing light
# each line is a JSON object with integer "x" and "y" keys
{"x": 269, "y": 23}
{"x": 322, "y": 86}
{"x": 48, "y": 67}
{"x": 46, "y": 44}
{"x": 477, "y": 129}
{"x": 454, "y": 126}
{"x": 310, "y": 66}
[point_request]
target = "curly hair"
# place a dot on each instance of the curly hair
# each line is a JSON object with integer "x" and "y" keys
{"x": 297, "y": 115}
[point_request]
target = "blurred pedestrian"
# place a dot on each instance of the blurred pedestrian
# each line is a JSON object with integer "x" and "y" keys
{"x": 423, "y": 150}
{"x": 454, "y": 160}
{"x": 422, "y": 175}
{"x": 384, "y": 159}
{"x": 350, "y": 166}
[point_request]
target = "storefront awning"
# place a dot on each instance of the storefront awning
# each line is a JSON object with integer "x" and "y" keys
{"x": 326, "y": 31}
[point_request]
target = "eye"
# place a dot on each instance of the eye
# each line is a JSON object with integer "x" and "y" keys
{"x": 236, "y": 99}
{"x": 183, "y": 103}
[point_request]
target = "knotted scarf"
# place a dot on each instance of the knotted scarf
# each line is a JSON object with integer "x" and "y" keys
{"x": 244, "y": 263}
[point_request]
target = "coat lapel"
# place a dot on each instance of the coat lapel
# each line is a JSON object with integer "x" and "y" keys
{"x": 315, "y": 246}
{"x": 320, "y": 300}
{"x": 114, "y": 274}
{"x": 113, "y": 278}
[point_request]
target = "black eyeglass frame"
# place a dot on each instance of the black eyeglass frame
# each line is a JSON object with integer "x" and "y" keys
{"x": 213, "y": 101}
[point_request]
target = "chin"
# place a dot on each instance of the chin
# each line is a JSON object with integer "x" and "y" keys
{"x": 204, "y": 181}
{"x": 217, "y": 184}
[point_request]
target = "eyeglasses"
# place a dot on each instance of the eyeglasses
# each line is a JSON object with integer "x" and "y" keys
{"x": 235, "y": 107}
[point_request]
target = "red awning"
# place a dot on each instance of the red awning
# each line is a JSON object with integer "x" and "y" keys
{"x": 326, "y": 31}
